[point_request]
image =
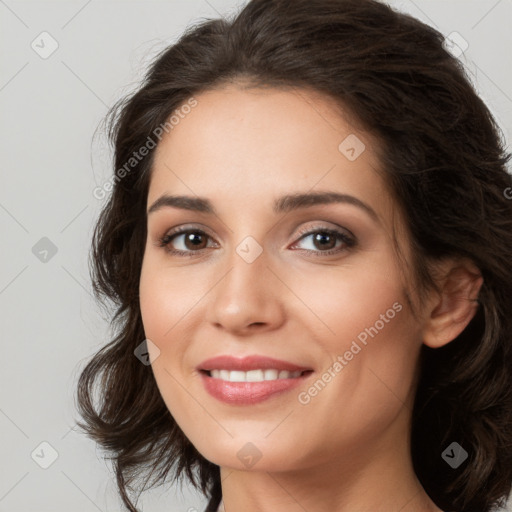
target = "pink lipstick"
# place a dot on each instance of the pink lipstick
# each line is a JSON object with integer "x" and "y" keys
{"x": 251, "y": 379}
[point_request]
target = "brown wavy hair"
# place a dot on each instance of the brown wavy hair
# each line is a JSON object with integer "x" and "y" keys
{"x": 444, "y": 158}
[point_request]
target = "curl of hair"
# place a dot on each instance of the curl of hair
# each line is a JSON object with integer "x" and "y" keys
{"x": 444, "y": 159}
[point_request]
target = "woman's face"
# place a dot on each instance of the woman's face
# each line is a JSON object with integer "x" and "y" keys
{"x": 265, "y": 272}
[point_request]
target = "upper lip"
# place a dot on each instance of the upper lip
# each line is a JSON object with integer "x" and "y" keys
{"x": 253, "y": 362}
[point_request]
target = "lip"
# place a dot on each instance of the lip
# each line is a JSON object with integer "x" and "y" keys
{"x": 253, "y": 362}
{"x": 248, "y": 393}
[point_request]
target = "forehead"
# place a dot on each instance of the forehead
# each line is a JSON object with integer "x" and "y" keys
{"x": 240, "y": 146}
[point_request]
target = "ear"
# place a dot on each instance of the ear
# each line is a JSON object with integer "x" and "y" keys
{"x": 451, "y": 310}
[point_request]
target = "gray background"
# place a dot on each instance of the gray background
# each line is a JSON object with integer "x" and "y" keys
{"x": 50, "y": 109}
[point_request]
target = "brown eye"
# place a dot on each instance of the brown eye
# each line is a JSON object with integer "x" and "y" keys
{"x": 194, "y": 240}
{"x": 323, "y": 241}
{"x": 185, "y": 242}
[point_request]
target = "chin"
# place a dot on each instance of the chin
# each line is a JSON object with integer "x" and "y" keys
{"x": 253, "y": 453}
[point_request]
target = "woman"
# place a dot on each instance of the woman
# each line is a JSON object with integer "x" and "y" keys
{"x": 308, "y": 243}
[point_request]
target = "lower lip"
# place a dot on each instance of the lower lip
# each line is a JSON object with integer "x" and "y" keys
{"x": 247, "y": 393}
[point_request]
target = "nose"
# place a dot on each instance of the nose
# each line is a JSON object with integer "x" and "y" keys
{"x": 247, "y": 298}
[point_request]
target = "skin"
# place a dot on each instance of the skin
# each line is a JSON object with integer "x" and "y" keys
{"x": 347, "y": 449}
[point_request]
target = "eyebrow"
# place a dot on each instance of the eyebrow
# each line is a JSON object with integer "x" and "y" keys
{"x": 283, "y": 204}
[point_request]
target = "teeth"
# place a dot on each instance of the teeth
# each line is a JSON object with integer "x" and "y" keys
{"x": 253, "y": 375}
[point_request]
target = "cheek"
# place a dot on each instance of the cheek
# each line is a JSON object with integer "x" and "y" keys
{"x": 166, "y": 297}
{"x": 369, "y": 326}
{"x": 365, "y": 319}
{"x": 349, "y": 299}
{"x": 164, "y": 305}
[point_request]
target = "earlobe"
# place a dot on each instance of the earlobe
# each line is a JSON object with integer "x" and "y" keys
{"x": 455, "y": 305}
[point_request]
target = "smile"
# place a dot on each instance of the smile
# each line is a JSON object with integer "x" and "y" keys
{"x": 251, "y": 379}
{"x": 254, "y": 375}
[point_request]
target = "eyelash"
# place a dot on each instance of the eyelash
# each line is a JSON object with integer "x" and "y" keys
{"x": 349, "y": 241}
